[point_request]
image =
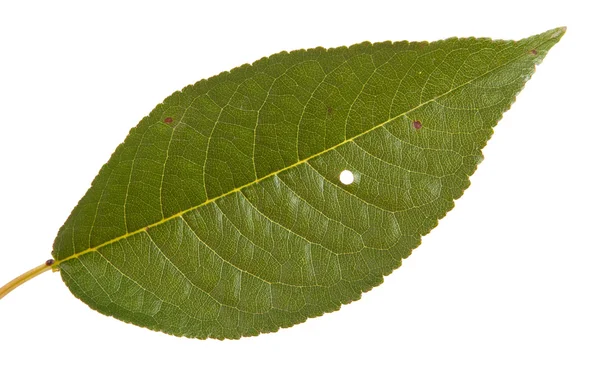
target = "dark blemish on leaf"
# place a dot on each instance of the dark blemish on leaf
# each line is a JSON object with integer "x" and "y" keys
{"x": 49, "y": 262}
{"x": 533, "y": 52}
{"x": 329, "y": 110}
{"x": 417, "y": 125}
{"x": 168, "y": 120}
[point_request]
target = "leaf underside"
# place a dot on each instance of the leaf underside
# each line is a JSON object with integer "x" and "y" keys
{"x": 222, "y": 215}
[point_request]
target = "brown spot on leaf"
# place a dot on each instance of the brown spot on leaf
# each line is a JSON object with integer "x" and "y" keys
{"x": 49, "y": 262}
{"x": 329, "y": 110}
{"x": 533, "y": 52}
{"x": 417, "y": 125}
{"x": 168, "y": 120}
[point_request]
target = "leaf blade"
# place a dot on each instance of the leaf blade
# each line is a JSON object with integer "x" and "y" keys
{"x": 407, "y": 176}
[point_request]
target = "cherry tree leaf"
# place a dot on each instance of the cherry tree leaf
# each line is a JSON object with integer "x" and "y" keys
{"x": 281, "y": 190}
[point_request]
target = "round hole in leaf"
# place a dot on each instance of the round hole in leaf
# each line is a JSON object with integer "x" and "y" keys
{"x": 346, "y": 177}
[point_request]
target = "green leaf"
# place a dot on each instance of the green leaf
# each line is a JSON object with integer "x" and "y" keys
{"x": 222, "y": 214}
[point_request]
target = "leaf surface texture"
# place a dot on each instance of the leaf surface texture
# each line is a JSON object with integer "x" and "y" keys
{"x": 222, "y": 214}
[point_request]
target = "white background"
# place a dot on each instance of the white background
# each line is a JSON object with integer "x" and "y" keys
{"x": 503, "y": 294}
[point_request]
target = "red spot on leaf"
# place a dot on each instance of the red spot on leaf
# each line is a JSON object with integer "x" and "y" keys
{"x": 417, "y": 125}
{"x": 49, "y": 262}
{"x": 168, "y": 120}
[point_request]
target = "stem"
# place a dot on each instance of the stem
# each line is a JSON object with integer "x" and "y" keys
{"x": 19, "y": 280}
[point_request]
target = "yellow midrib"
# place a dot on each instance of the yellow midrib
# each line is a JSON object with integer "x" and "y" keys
{"x": 179, "y": 214}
